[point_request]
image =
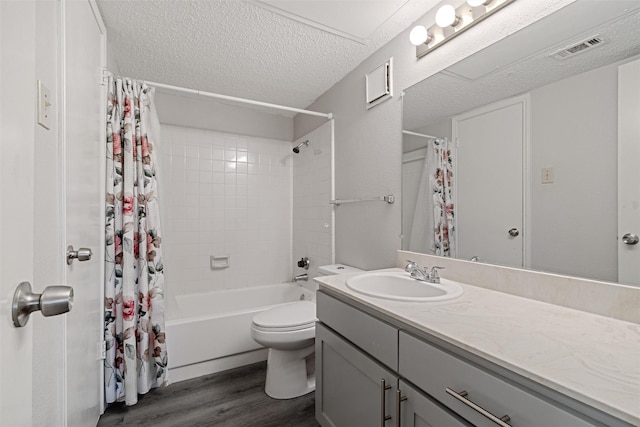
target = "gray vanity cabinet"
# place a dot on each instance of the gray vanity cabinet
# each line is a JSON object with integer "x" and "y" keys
{"x": 365, "y": 364}
{"x": 351, "y": 388}
{"x": 473, "y": 393}
{"x": 418, "y": 410}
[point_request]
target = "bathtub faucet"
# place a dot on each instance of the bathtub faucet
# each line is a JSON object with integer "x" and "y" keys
{"x": 301, "y": 277}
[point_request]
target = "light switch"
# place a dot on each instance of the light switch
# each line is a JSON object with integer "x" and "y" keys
{"x": 44, "y": 106}
{"x": 547, "y": 175}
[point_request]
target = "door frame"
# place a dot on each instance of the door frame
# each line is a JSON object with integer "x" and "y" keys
{"x": 63, "y": 126}
{"x": 525, "y": 102}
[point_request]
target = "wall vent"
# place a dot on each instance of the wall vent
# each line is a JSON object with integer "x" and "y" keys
{"x": 579, "y": 47}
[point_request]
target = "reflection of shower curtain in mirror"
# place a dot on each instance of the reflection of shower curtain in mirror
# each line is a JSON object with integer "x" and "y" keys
{"x": 433, "y": 219}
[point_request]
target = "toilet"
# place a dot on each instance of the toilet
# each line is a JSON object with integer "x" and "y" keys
{"x": 289, "y": 331}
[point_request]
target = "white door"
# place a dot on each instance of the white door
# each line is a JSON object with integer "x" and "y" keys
{"x": 84, "y": 127}
{"x": 489, "y": 182}
{"x": 629, "y": 172}
{"x": 17, "y": 106}
{"x": 41, "y": 383}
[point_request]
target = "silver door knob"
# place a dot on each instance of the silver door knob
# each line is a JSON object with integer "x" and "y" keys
{"x": 514, "y": 232}
{"x": 630, "y": 239}
{"x": 52, "y": 301}
{"x": 82, "y": 254}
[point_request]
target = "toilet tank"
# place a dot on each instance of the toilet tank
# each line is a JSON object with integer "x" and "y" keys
{"x": 333, "y": 269}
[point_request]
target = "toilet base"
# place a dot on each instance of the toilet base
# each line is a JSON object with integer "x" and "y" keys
{"x": 290, "y": 373}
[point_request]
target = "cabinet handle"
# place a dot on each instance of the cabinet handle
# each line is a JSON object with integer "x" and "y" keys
{"x": 383, "y": 402}
{"x": 462, "y": 397}
{"x": 399, "y": 399}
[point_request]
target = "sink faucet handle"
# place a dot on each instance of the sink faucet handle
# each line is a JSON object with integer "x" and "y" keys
{"x": 434, "y": 272}
{"x": 411, "y": 266}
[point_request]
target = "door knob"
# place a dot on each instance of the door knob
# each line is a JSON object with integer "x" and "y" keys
{"x": 82, "y": 254}
{"x": 514, "y": 232}
{"x": 54, "y": 300}
{"x": 630, "y": 239}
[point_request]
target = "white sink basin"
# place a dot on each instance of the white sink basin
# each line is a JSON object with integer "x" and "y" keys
{"x": 401, "y": 287}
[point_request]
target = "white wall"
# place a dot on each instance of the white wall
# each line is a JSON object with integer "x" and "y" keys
{"x": 205, "y": 113}
{"x": 313, "y": 226}
{"x": 574, "y": 130}
{"x": 369, "y": 142}
{"x": 225, "y": 194}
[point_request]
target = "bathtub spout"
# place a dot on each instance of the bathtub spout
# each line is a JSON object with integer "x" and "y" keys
{"x": 301, "y": 277}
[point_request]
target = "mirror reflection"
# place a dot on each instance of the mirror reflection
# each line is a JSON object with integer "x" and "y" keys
{"x": 533, "y": 133}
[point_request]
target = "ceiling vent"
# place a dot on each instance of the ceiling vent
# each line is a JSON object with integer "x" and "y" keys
{"x": 579, "y": 47}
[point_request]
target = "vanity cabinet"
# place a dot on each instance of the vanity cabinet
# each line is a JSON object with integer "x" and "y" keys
{"x": 375, "y": 372}
{"x": 419, "y": 410}
{"x": 473, "y": 393}
{"x": 352, "y": 389}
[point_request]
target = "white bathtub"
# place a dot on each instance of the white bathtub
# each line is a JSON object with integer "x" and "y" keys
{"x": 214, "y": 332}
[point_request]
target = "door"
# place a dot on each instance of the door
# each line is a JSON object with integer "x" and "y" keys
{"x": 349, "y": 385}
{"x": 49, "y": 372}
{"x": 17, "y": 134}
{"x": 83, "y": 128}
{"x": 489, "y": 188}
{"x": 629, "y": 173}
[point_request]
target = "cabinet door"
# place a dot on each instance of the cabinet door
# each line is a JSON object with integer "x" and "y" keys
{"x": 349, "y": 385}
{"x": 418, "y": 410}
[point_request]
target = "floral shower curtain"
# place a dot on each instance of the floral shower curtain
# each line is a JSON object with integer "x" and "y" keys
{"x": 443, "y": 212}
{"x": 433, "y": 227}
{"x": 134, "y": 309}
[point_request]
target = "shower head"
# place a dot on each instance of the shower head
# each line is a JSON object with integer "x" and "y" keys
{"x": 296, "y": 149}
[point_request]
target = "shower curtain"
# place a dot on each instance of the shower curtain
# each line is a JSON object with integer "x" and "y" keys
{"x": 433, "y": 225}
{"x": 134, "y": 331}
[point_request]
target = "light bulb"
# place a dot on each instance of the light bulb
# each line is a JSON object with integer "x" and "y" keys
{"x": 418, "y": 35}
{"x": 476, "y": 3}
{"x": 446, "y": 16}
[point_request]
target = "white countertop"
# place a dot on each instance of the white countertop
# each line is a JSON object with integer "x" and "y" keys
{"x": 591, "y": 358}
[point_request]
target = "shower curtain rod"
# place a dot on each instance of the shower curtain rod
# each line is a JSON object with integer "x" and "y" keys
{"x": 328, "y": 116}
{"x": 408, "y": 132}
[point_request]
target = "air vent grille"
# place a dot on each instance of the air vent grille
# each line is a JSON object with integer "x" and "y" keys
{"x": 576, "y": 48}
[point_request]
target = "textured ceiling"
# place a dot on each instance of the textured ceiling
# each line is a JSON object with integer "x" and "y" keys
{"x": 618, "y": 25}
{"x": 238, "y": 48}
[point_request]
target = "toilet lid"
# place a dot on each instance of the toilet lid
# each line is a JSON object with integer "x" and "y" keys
{"x": 295, "y": 314}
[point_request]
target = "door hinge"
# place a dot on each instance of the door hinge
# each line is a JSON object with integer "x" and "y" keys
{"x": 104, "y": 77}
{"x": 102, "y": 349}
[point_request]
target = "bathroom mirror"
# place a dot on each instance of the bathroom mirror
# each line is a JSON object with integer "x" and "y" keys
{"x": 553, "y": 71}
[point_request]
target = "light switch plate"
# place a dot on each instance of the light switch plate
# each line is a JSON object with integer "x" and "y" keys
{"x": 548, "y": 175}
{"x": 44, "y": 106}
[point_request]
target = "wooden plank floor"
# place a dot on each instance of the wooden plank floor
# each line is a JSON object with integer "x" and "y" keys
{"x": 231, "y": 398}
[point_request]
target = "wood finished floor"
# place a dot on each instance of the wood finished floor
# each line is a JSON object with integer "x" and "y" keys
{"x": 231, "y": 398}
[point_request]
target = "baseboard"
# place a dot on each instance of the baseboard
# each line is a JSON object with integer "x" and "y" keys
{"x": 195, "y": 370}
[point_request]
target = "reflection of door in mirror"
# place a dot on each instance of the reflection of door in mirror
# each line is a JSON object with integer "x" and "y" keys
{"x": 628, "y": 172}
{"x": 489, "y": 185}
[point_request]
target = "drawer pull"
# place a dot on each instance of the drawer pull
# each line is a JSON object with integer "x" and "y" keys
{"x": 383, "y": 402}
{"x": 399, "y": 399}
{"x": 462, "y": 397}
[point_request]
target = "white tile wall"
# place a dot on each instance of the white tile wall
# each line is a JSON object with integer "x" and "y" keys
{"x": 225, "y": 194}
{"x": 313, "y": 225}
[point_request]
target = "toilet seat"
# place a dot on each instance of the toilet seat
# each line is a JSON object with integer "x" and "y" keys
{"x": 293, "y": 316}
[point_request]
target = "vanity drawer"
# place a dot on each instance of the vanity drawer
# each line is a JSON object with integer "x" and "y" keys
{"x": 374, "y": 336}
{"x": 453, "y": 375}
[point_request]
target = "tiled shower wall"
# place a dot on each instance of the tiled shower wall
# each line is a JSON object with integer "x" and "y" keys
{"x": 313, "y": 224}
{"x": 225, "y": 194}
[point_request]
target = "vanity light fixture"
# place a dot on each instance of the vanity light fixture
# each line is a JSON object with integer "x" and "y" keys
{"x": 446, "y": 16}
{"x": 419, "y": 35}
{"x": 476, "y": 3}
{"x": 451, "y": 21}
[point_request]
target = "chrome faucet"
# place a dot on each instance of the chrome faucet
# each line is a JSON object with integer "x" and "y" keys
{"x": 421, "y": 273}
{"x": 301, "y": 277}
